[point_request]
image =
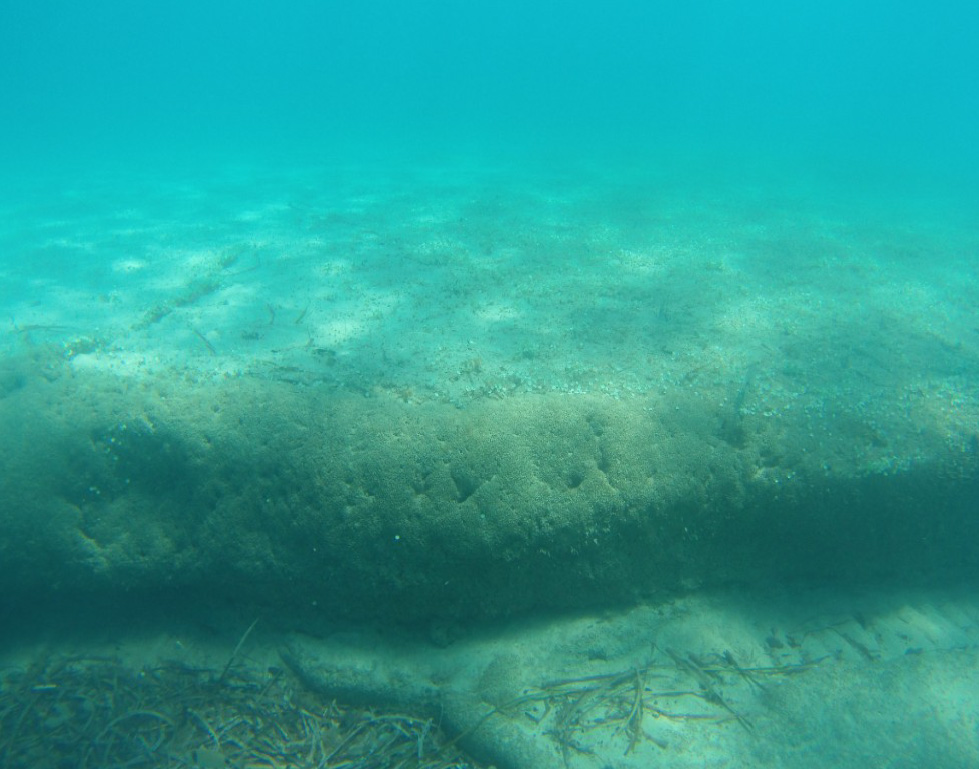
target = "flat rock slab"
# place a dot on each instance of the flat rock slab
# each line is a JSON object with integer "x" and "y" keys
{"x": 717, "y": 680}
{"x": 328, "y": 503}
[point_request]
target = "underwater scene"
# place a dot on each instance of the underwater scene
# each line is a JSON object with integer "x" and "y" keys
{"x": 528, "y": 385}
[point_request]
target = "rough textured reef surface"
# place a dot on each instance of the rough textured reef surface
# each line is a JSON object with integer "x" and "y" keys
{"x": 311, "y": 499}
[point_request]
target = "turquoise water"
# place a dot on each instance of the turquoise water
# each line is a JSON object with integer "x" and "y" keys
{"x": 588, "y": 150}
{"x": 874, "y": 86}
{"x": 583, "y": 382}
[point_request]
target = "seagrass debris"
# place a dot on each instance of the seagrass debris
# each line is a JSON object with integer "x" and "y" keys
{"x": 96, "y": 712}
{"x": 621, "y": 701}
